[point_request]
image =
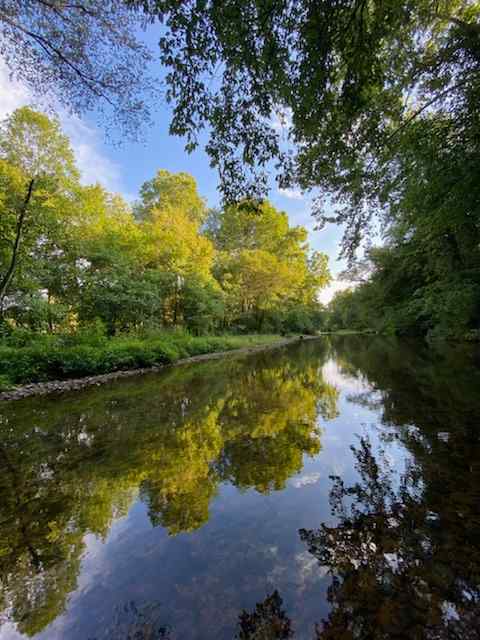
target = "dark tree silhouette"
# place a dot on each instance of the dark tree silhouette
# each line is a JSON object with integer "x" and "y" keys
{"x": 267, "y": 622}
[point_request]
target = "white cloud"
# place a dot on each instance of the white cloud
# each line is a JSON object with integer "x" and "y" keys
{"x": 9, "y": 631}
{"x": 327, "y": 294}
{"x": 292, "y": 194}
{"x": 305, "y": 480}
{"x": 308, "y": 570}
{"x": 333, "y": 375}
{"x": 93, "y": 163}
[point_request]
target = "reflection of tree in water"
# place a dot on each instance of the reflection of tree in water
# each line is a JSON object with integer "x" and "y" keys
{"x": 270, "y": 423}
{"x": 404, "y": 556}
{"x": 134, "y": 622}
{"x": 404, "y": 562}
{"x": 432, "y": 387}
{"x": 67, "y": 474}
{"x": 44, "y": 515}
{"x": 399, "y": 569}
{"x": 267, "y": 622}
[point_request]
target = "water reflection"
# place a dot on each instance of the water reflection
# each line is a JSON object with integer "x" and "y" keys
{"x": 399, "y": 569}
{"x": 404, "y": 554}
{"x": 204, "y": 464}
{"x": 65, "y": 475}
{"x": 131, "y": 622}
{"x": 268, "y": 621}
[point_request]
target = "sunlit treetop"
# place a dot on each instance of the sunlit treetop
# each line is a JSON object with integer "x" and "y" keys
{"x": 168, "y": 191}
{"x": 35, "y": 144}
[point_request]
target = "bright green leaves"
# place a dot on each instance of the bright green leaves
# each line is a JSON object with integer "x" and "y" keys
{"x": 265, "y": 268}
{"x": 34, "y": 143}
{"x": 170, "y": 192}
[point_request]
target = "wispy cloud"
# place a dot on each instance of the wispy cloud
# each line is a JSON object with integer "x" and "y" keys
{"x": 12, "y": 94}
{"x": 291, "y": 194}
{"x": 92, "y": 161}
{"x": 305, "y": 480}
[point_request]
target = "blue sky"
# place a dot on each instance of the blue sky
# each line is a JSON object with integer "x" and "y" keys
{"x": 123, "y": 168}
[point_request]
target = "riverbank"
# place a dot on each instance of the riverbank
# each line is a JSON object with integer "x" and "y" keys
{"x": 231, "y": 345}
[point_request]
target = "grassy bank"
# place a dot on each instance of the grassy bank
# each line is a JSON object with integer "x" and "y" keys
{"x": 45, "y": 358}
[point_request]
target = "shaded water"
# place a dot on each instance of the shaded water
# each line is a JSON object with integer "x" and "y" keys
{"x": 164, "y": 506}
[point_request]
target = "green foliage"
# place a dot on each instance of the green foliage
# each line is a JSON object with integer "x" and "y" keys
{"x": 202, "y": 306}
{"x": 266, "y": 269}
{"x": 373, "y": 107}
{"x": 426, "y": 279}
{"x": 345, "y": 79}
{"x": 5, "y": 383}
{"x": 171, "y": 192}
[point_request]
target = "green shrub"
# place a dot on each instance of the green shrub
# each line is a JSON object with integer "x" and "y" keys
{"x": 128, "y": 355}
{"x": 164, "y": 352}
{"x": 473, "y": 335}
{"x": 93, "y": 333}
{"x": 77, "y": 361}
{"x": 22, "y": 365}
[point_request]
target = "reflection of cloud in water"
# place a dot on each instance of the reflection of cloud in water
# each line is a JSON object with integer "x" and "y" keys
{"x": 277, "y": 575}
{"x": 338, "y": 467}
{"x": 308, "y": 570}
{"x": 305, "y": 480}
{"x": 348, "y": 384}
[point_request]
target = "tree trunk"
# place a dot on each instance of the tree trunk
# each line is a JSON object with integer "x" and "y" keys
{"x": 16, "y": 246}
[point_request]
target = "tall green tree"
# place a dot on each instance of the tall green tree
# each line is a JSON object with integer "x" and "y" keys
{"x": 265, "y": 266}
{"x": 38, "y": 182}
{"x": 171, "y": 192}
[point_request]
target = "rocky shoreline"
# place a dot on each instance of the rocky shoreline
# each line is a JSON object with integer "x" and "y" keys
{"x": 75, "y": 384}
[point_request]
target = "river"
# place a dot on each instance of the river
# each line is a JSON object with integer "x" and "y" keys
{"x": 334, "y": 482}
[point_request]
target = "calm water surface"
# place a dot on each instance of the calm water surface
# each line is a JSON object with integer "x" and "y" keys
{"x": 334, "y": 482}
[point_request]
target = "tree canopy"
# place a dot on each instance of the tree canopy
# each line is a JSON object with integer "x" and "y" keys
{"x": 345, "y": 78}
{"x": 85, "y": 55}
